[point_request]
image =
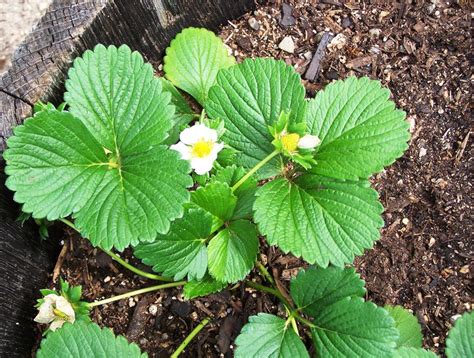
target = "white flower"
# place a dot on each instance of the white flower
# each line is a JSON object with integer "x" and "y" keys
{"x": 198, "y": 144}
{"x": 308, "y": 141}
{"x": 55, "y": 310}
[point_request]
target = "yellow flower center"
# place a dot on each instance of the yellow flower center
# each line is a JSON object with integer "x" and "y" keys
{"x": 60, "y": 314}
{"x": 290, "y": 141}
{"x": 202, "y": 149}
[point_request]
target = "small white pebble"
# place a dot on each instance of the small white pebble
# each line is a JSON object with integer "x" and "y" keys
{"x": 308, "y": 55}
{"x": 131, "y": 302}
{"x": 412, "y": 121}
{"x": 423, "y": 152}
{"x": 153, "y": 309}
{"x": 287, "y": 44}
{"x": 405, "y": 221}
{"x": 107, "y": 279}
{"x": 455, "y": 317}
{"x": 254, "y": 24}
{"x": 375, "y": 33}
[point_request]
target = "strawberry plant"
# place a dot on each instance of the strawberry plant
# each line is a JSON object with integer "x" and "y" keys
{"x": 127, "y": 163}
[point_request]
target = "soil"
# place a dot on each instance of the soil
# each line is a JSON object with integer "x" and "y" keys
{"x": 424, "y": 259}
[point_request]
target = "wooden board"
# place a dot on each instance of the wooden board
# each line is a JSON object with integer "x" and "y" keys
{"x": 38, "y": 70}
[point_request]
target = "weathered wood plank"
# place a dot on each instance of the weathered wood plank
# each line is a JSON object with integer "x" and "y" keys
{"x": 25, "y": 262}
{"x": 38, "y": 70}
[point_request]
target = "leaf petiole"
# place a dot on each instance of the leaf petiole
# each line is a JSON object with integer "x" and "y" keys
{"x": 122, "y": 261}
{"x": 264, "y": 272}
{"x": 276, "y": 293}
{"x": 135, "y": 293}
{"x": 255, "y": 169}
{"x": 135, "y": 270}
{"x": 188, "y": 339}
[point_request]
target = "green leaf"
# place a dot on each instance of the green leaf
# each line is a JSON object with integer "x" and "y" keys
{"x": 249, "y": 97}
{"x": 408, "y": 327}
{"x": 245, "y": 193}
{"x": 269, "y": 336}
{"x": 204, "y": 287}
{"x": 354, "y": 328}
{"x": 182, "y": 251}
{"x": 359, "y": 127}
{"x": 54, "y": 164}
{"x": 317, "y": 288}
{"x": 460, "y": 341}
{"x": 323, "y": 220}
{"x": 193, "y": 60}
{"x": 183, "y": 114}
{"x": 410, "y": 352}
{"x": 103, "y": 161}
{"x": 85, "y": 340}
{"x": 233, "y": 251}
{"x": 216, "y": 198}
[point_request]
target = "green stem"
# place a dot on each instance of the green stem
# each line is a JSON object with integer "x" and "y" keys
{"x": 136, "y": 270}
{"x": 122, "y": 261}
{"x": 264, "y": 272}
{"x": 303, "y": 320}
{"x": 189, "y": 338}
{"x": 69, "y": 223}
{"x": 276, "y": 293}
{"x": 135, "y": 293}
{"x": 269, "y": 290}
{"x": 255, "y": 169}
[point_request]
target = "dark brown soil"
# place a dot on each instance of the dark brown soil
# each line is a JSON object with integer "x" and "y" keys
{"x": 424, "y": 260}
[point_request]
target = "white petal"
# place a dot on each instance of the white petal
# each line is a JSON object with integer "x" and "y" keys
{"x": 196, "y": 133}
{"x": 216, "y": 149}
{"x": 65, "y": 307}
{"x": 58, "y": 323}
{"x": 308, "y": 141}
{"x": 208, "y": 134}
{"x": 202, "y": 165}
{"x": 46, "y": 314}
{"x": 182, "y": 149}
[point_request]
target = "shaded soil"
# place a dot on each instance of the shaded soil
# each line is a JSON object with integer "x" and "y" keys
{"x": 424, "y": 260}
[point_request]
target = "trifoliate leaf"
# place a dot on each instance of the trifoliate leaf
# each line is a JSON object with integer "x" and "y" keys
{"x": 233, "y": 251}
{"x": 216, "y": 198}
{"x": 204, "y": 287}
{"x": 410, "y": 352}
{"x": 85, "y": 340}
{"x": 359, "y": 128}
{"x": 314, "y": 289}
{"x": 407, "y": 325}
{"x": 193, "y": 60}
{"x": 249, "y": 97}
{"x": 182, "y": 251}
{"x": 103, "y": 162}
{"x": 245, "y": 193}
{"x": 460, "y": 341}
{"x": 269, "y": 336}
{"x": 323, "y": 220}
{"x": 354, "y": 328}
{"x": 183, "y": 114}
